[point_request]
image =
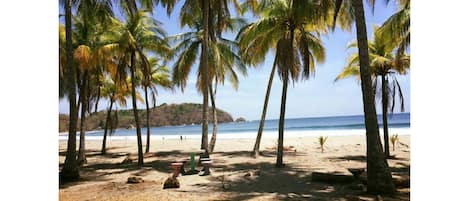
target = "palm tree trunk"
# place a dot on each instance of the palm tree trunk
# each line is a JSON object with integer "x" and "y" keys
{"x": 134, "y": 106}
{"x": 378, "y": 173}
{"x": 83, "y": 94}
{"x": 264, "y": 112}
{"x": 215, "y": 121}
{"x": 106, "y": 126}
{"x": 147, "y": 148}
{"x": 70, "y": 169}
{"x": 281, "y": 122}
{"x": 80, "y": 87}
{"x": 384, "y": 101}
{"x": 205, "y": 81}
{"x": 99, "y": 94}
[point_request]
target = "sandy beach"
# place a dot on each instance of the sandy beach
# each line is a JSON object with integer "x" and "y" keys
{"x": 235, "y": 174}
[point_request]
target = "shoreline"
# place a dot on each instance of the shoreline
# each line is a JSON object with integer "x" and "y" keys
{"x": 250, "y": 135}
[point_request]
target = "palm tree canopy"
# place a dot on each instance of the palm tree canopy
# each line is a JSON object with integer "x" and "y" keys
{"x": 272, "y": 31}
{"x": 384, "y": 61}
{"x": 397, "y": 27}
{"x": 224, "y": 62}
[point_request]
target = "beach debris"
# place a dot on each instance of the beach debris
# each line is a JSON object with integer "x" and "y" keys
{"x": 394, "y": 139}
{"x": 322, "y": 141}
{"x": 134, "y": 180}
{"x": 335, "y": 177}
{"x": 171, "y": 182}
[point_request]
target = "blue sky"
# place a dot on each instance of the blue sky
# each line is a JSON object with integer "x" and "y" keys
{"x": 318, "y": 96}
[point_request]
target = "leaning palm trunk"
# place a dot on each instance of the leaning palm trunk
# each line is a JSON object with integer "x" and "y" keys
{"x": 205, "y": 83}
{"x": 384, "y": 101}
{"x": 70, "y": 169}
{"x": 147, "y": 148}
{"x": 106, "y": 126}
{"x": 281, "y": 122}
{"x": 83, "y": 96}
{"x": 215, "y": 121}
{"x": 379, "y": 178}
{"x": 134, "y": 106}
{"x": 264, "y": 112}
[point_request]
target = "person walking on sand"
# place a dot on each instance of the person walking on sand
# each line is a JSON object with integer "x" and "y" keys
{"x": 180, "y": 137}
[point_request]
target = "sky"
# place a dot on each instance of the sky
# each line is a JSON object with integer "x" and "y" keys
{"x": 318, "y": 96}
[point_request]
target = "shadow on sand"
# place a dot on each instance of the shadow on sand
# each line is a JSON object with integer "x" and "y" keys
{"x": 287, "y": 183}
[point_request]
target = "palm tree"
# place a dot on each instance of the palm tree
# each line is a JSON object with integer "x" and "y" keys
{"x": 397, "y": 27}
{"x": 70, "y": 170}
{"x": 131, "y": 8}
{"x": 140, "y": 32}
{"x": 223, "y": 62}
{"x": 158, "y": 75}
{"x": 379, "y": 178}
{"x": 204, "y": 66}
{"x": 90, "y": 24}
{"x": 257, "y": 10}
{"x": 384, "y": 64}
{"x": 115, "y": 92}
{"x": 205, "y": 9}
{"x": 287, "y": 27}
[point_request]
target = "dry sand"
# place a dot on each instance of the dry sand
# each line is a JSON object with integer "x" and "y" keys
{"x": 104, "y": 177}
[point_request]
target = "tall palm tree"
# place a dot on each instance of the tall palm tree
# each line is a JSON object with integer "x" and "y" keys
{"x": 204, "y": 75}
{"x": 139, "y": 33}
{"x": 158, "y": 75}
{"x": 70, "y": 170}
{"x": 384, "y": 64}
{"x": 289, "y": 28}
{"x": 90, "y": 24}
{"x": 223, "y": 58}
{"x": 131, "y": 8}
{"x": 379, "y": 179}
{"x": 256, "y": 8}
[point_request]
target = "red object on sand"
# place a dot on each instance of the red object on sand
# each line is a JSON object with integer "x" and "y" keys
{"x": 176, "y": 169}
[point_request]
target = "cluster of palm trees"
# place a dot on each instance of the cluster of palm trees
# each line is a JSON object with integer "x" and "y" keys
{"x": 102, "y": 57}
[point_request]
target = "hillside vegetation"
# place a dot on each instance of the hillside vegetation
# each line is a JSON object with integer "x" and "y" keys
{"x": 163, "y": 115}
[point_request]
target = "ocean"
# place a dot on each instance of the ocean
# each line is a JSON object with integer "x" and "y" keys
{"x": 315, "y": 126}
